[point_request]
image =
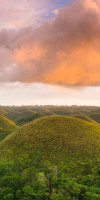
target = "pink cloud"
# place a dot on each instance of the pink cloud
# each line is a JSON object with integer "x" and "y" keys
{"x": 65, "y": 50}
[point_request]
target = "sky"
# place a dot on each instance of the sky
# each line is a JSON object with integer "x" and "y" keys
{"x": 50, "y": 52}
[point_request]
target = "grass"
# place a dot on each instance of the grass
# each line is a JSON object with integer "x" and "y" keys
{"x": 86, "y": 118}
{"x": 6, "y": 127}
{"x": 28, "y": 118}
{"x": 95, "y": 116}
{"x": 56, "y": 138}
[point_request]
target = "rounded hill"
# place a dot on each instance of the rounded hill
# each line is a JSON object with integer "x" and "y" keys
{"x": 86, "y": 118}
{"x": 6, "y": 127}
{"x": 6, "y": 123}
{"x": 95, "y": 116}
{"x": 55, "y": 138}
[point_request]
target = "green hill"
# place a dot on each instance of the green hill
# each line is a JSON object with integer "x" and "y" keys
{"x": 56, "y": 138}
{"x": 95, "y": 116}
{"x": 84, "y": 117}
{"x": 54, "y": 158}
{"x": 6, "y": 127}
{"x": 23, "y": 120}
{"x": 28, "y": 118}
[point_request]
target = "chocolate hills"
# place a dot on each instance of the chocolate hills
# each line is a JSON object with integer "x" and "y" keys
{"x": 56, "y": 138}
{"x": 86, "y": 118}
{"x": 6, "y": 127}
{"x": 95, "y": 116}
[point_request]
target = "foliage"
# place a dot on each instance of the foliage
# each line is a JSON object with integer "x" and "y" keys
{"x": 51, "y": 158}
{"x": 46, "y": 181}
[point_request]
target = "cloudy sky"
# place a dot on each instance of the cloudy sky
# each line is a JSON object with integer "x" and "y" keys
{"x": 50, "y": 52}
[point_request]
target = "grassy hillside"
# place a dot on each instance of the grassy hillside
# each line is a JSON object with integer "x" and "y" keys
{"x": 54, "y": 158}
{"x": 84, "y": 117}
{"x": 6, "y": 127}
{"x": 95, "y": 116}
{"x": 3, "y": 112}
{"x": 28, "y": 118}
{"x": 24, "y": 114}
{"x": 56, "y": 138}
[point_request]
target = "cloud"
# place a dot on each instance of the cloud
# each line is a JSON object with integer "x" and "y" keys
{"x": 56, "y": 11}
{"x": 21, "y": 13}
{"x": 64, "y": 50}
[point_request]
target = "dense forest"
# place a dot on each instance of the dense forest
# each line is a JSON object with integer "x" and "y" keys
{"x": 49, "y": 153}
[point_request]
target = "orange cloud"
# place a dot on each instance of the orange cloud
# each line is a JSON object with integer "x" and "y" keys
{"x": 25, "y": 54}
{"x": 92, "y": 4}
{"x": 63, "y": 51}
{"x": 56, "y": 11}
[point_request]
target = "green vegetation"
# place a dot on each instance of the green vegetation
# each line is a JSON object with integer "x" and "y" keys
{"x": 51, "y": 158}
{"x": 6, "y": 127}
{"x": 31, "y": 117}
{"x": 28, "y": 118}
{"x": 29, "y": 178}
{"x": 24, "y": 114}
{"x": 56, "y": 138}
{"x": 21, "y": 115}
{"x": 84, "y": 117}
{"x": 95, "y": 116}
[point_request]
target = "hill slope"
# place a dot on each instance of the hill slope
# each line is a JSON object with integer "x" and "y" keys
{"x": 84, "y": 117}
{"x": 6, "y": 127}
{"x": 32, "y": 116}
{"x": 95, "y": 116}
{"x": 57, "y": 138}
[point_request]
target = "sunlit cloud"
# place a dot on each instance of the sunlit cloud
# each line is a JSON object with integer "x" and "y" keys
{"x": 56, "y": 11}
{"x": 64, "y": 50}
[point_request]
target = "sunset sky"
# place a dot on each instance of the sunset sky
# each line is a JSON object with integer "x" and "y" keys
{"x": 50, "y": 52}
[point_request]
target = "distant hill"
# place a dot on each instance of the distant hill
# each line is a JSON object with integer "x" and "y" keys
{"x": 56, "y": 138}
{"x": 24, "y": 114}
{"x": 95, "y": 116}
{"x": 3, "y": 112}
{"x": 84, "y": 117}
{"x": 30, "y": 117}
{"x": 6, "y": 127}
